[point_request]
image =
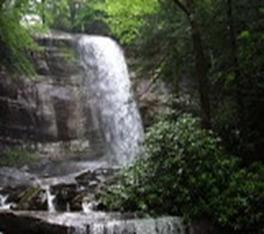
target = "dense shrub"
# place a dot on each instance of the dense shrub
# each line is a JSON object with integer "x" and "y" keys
{"x": 241, "y": 205}
{"x": 187, "y": 173}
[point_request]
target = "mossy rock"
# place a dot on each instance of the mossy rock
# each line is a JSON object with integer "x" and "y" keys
{"x": 33, "y": 198}
{"x": 16, "y": 157}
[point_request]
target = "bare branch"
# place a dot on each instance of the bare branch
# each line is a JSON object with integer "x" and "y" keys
{"x": 182, "y": 7}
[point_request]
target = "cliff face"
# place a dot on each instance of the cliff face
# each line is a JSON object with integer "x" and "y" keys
{"x": 46, "y": 112}
{"x": 50, "y": 112}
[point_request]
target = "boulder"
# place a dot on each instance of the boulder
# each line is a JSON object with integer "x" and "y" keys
{"x": 33, "y": 198}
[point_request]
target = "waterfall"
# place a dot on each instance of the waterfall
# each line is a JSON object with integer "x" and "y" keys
{"x": 111, "y": 108}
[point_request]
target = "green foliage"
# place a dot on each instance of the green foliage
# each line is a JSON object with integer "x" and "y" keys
{"x": 89, "y": 15}
{"x": 67, "y": 15}
{"x": 15, "y": 41}
{"x": 241, "y": 205}
{"x": 15, "y": 157}
{"x": 127, "y": 17}
{"x": 186, "y": 173}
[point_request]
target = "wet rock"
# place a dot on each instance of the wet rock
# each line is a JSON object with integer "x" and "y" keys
{"x": 69, "y": 193}
{"x": 71, "y": 197}
{"x": 25, "y": 198}
{"x": 46, "y": 114}
{"x": 13, "y": 193}
{"x": 78, "y": 203}
{"x": 33, "y": 198}
{"x": 64, "y": 196}
{"x": 86, "y": 178}
{"x": 14, "y": 223}
{"x": 91, "y": 179}
{"x": 12, "y": 177}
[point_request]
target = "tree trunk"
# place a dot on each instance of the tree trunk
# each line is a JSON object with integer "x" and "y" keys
{"x": 72, "y": 14}
{"x": 235, "y": 62}
{"x": 1, "y": 4}
{"x": 43, "y": 14}
{"x": 201, "y": 64}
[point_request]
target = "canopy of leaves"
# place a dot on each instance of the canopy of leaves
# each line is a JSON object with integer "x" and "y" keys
{"x": 15, "y": 40}
{"x": 127, "y": 17}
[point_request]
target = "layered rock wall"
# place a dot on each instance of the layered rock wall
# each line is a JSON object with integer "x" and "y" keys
{"x": 46, "y": 111}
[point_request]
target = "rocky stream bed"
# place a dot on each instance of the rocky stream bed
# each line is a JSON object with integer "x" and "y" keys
{"x": 31, "y": 204}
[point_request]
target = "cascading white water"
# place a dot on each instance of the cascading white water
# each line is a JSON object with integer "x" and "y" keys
{"x": 50, "y": 200}
{"x": 111, "y": 106}
{"x": 3, "y": 203}
{"x": 87, "y": 207}
{"x": 141, "y": 226}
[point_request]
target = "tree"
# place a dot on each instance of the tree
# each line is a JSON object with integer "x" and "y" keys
{"x": 15, "y": 40}
{"x": 201, "y": 63}
{"x": 127, "y": 17}
{"x": 234, "y": 58}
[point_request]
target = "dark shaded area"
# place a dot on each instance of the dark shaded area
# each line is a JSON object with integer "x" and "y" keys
{"x": 12, "y": 224}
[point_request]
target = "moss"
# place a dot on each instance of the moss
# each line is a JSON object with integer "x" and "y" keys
{"x": 15, "y": 157}
{"x": 30, "y": 200}
{"x": 68, "y": 54}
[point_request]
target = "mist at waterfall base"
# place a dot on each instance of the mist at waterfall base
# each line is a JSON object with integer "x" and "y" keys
{"x": 113, "y": 110}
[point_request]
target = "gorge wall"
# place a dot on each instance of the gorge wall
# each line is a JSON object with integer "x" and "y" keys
{"x": 52, "y": 112}
{"x": 44, "y": 112}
